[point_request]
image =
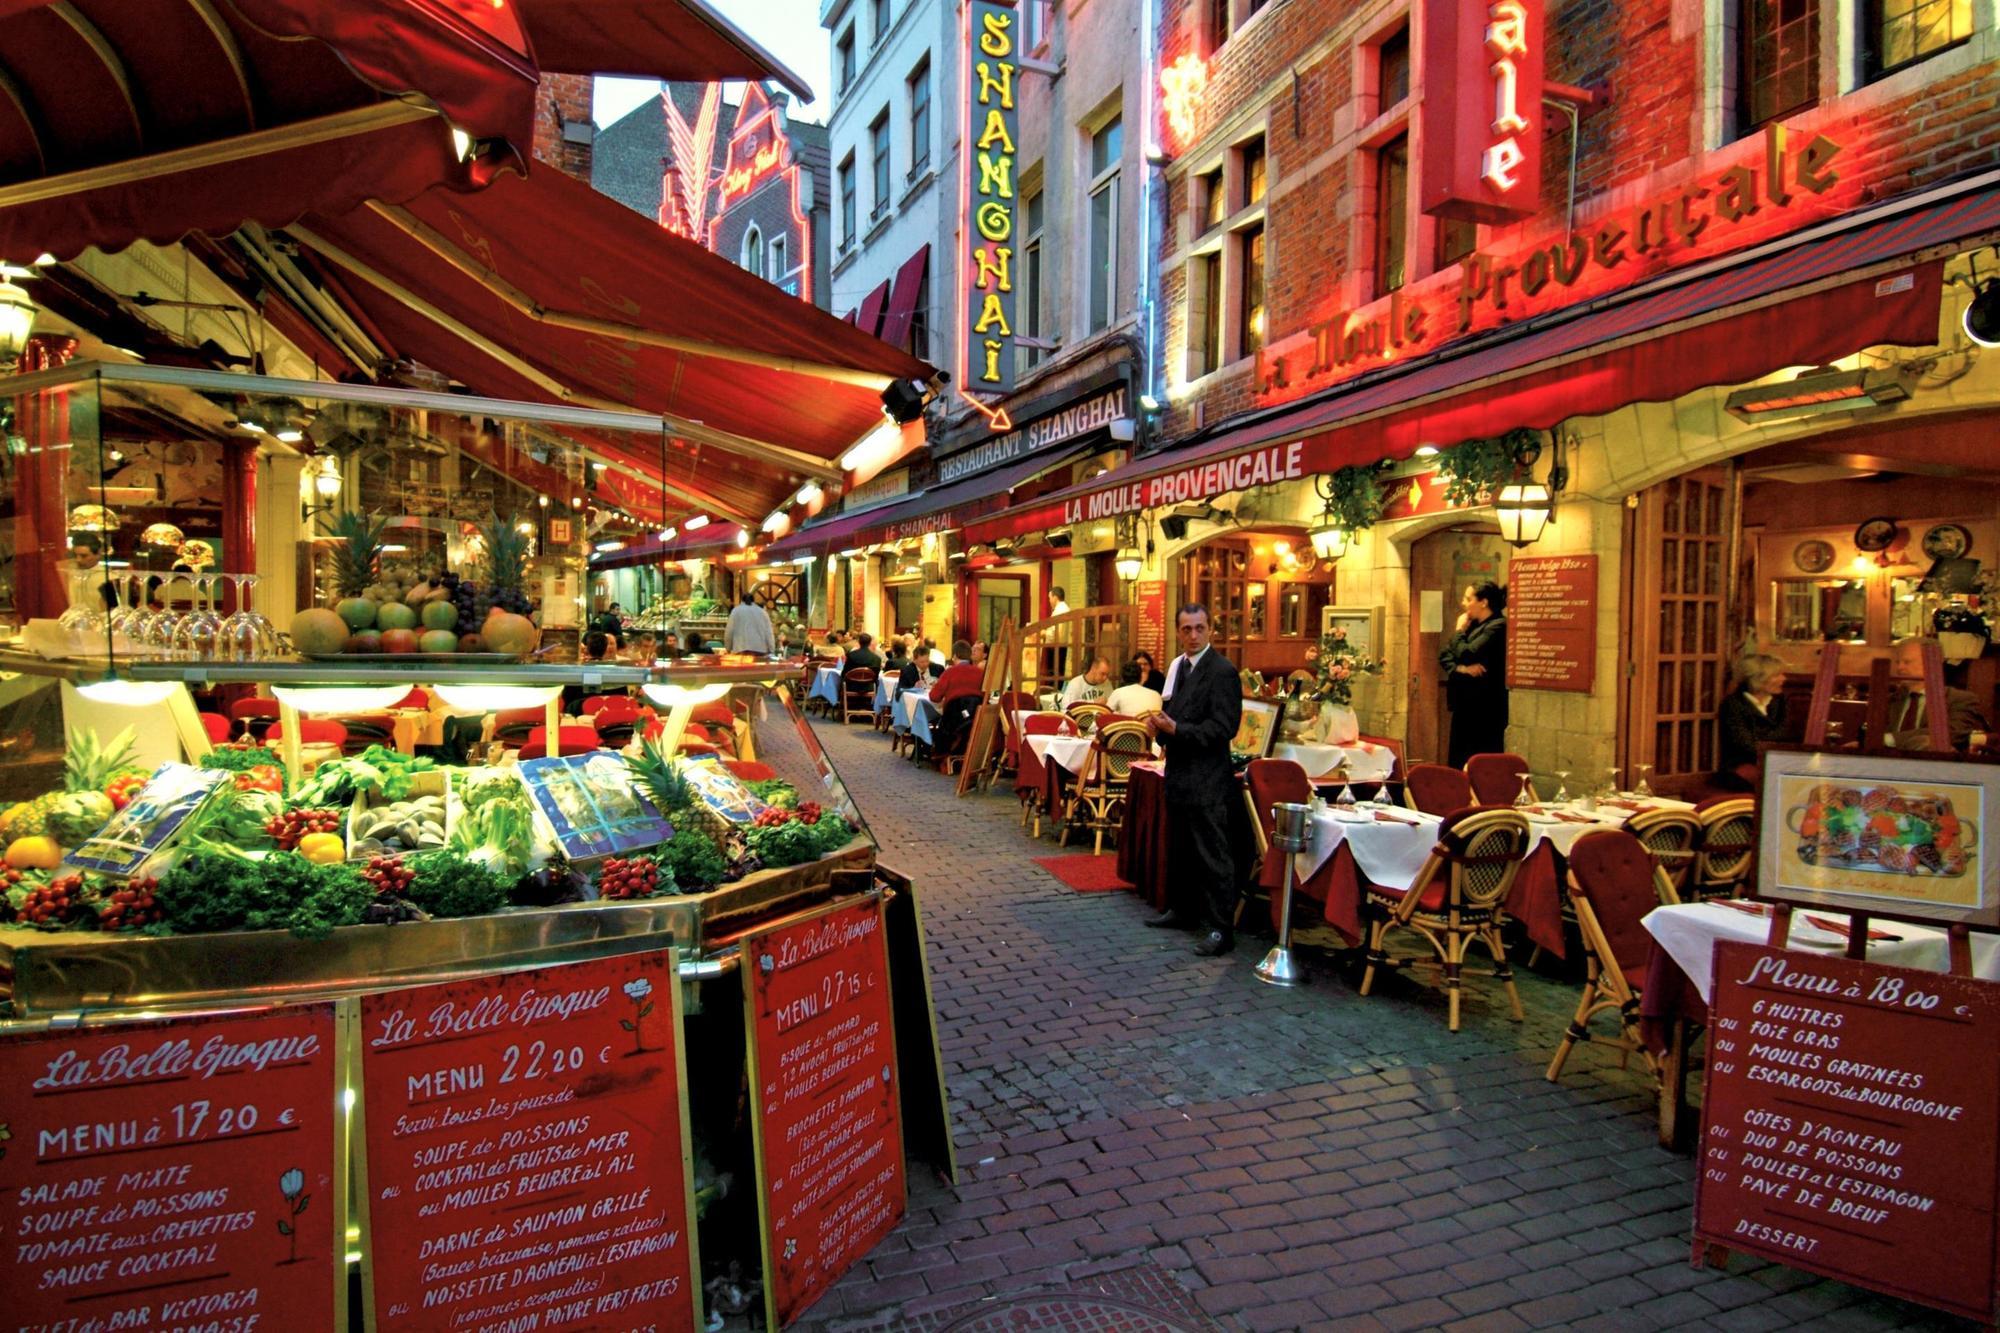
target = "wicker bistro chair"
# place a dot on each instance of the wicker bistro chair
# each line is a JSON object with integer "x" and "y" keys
{"x": 1030, "y": 773}
{"x": 1495, "y": 778}
{"x": 1613, "y": 882}
{"x": 1457, "y": 898}
{"x": 1088, "y": 715}
{"x": 1669, "y": 837}
{"x": 1727, "y": 852}
{"x": 857, "y": 695}
{"x": 1100, "y": 792}
{"x": 1438, "y": 789}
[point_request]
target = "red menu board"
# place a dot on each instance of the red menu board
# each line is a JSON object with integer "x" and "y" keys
{"x": 828, "y": 1132}
{"x": 1552, "y": 622}
{"x": 528, "y": 1159}
{"x": 1849, "y": 1123}
{"x": 171, "y": 1175}
{"x": 1150, "y": 632}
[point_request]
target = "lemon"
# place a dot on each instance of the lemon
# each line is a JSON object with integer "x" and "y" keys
{"x": 323, "y": 848}
{"x": 34, "y": 853}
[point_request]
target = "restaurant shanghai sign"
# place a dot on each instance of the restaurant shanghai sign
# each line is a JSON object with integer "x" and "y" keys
{"x": 991, "y": 205}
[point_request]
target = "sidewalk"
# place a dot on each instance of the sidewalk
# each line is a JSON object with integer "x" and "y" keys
{"x": 1150, "y": 1140}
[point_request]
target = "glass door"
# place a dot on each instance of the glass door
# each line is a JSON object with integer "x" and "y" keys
{"x": 1676, "y": 610}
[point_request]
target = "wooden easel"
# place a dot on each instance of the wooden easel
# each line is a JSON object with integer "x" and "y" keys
{"x": 991, "y": 722}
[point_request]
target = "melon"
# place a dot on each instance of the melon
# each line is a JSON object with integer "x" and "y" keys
{"x": 507, "y": 633}
{"x": 318, "y": 632}
{"x": 440, "y": 615}
{"x": 471, "y": 643}
{"x": 358, "y": 612}
{"x": 395, "y": 615}
{"x": 367, "y": 641}
{"x": 399, "y": 641}
{"x": 438, "y": 641}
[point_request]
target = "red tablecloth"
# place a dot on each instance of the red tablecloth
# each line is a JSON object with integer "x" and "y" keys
{"x": 1668, "y": 997}
{"x": 1142, "y": 843}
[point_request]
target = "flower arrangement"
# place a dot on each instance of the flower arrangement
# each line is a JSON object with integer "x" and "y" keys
{"x": 1336, "y": 664}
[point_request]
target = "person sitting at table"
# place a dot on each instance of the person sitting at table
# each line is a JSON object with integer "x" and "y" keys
{"x": 919, "y": 671}
{"x": 898, "y": 658}
{"x": 1133, "y": 697}
{"x": 596, "y": 649}
{"x": 961, "y": 677}
{"x": 1090, "y": 687}
{"x": 1752, "y": 712}
{"x": 645, "y": 648}
{"x": 670, "y": 647}
{"x": 863, "y": 654}
{"x": 1964, "y": 714}
{"x": 1150, "y": 674}
{"x": 979, "y": 653}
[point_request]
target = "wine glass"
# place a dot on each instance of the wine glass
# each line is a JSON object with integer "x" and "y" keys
{"x": 1346, "y": 799}
{"x": 1526, "y": 799}
{"x": 246, "y": 636}
{"x": 158, "y": 630}
{"x": 195, "y": 636}
{"x": 1644, "y": 790}
{"x": 1562, "y": 787}
{"x": 83, "y": 616}
{"x": 1610, "y": 783}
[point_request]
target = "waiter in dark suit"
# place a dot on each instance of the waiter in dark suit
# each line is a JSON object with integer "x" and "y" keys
{"x": 1204, "y": 705}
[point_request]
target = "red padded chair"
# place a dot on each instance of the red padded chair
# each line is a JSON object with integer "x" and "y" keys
{"x": 1030, "y": 773}
{"x": 312, "y": 731}
{"x": 1270, "y": 782}
{"x": 250, "y": 710}
{"x": 1437, "y": 789}
{"x": 1613, "y": 883}
{"x": 715, "y": 713}
{"x": 217, "y": 727}
{"x": 418, "y": 697}
{"x": 1496, "y": 778}
{"x": 596, "y": 702}
{"x": 572, "y": 739}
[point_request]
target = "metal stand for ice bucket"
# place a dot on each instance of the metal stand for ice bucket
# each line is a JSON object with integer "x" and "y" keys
{"x": 1291, "y": 833}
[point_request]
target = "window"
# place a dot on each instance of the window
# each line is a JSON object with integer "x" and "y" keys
{"x": 1778, "y": 63}
{"x": 878, "y": 150}
{"x": 1218, "y": 23}
{"x": 753, "y": 256}
{"x": 1206, "y": 281}
{"x": 1031, "y": 277}
{"x": 1250, "y": 158}
{"x": 847, "y": 200}
{"x": 1251, "y": 239}
{"x": 880, "y": 12}
{"x": 920, "y": 319}
{"x": 1902, "y": 32}
{"x": 1392, "y": 197}
{"x": 909, "y": 607}
{"x": 1106, "y": 149}
{"x": 1392, "y": 69}
{"x": 1035, "y": 24}
{"x": 843, "y": 59}
{"x": 1456, "y": 238}
{"x": 1212, "y": 199}
{"x": 778, "y": 268}
{"x": 920, "y": 116}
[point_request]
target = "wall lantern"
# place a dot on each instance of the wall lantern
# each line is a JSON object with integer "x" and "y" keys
{"x": 1329, "y": 539}
{"x": 17, "y": 321}
{"x": 1524, "y": 506}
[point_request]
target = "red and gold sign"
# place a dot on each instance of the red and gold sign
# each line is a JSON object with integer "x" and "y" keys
{"x": 1482, "y": 159}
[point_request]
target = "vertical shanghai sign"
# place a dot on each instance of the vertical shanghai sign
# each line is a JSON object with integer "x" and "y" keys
{"x": 1482, "y": 70}
{"x": 994, "y": 124}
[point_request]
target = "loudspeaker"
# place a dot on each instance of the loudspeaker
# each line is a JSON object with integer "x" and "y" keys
{"x": 1174, "y": 526}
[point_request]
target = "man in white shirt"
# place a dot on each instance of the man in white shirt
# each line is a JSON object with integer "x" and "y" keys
{"x": 1133, "y": 698}
{"x": 749, "y": 630}
{"x": 1091, "y": 686}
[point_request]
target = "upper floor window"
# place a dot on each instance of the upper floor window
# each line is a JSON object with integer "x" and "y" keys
{"x": 881, "y": 14}
{"x": 1902, "y": 32}
{"x": 1212, "y": 198}
{"x": 1251, "y": 155}
{"x": 753, "y": 256}
{"x": 1778, "y": 60}
{"x": 1392, "y": 215}
{"x": 920, "y": 320}
{"x": 778, "y": 267}
{"x": 1223, "y": 17}
{"x": 843, "y": 61}
{"x": 847, "y": 200}
{"x": 878, "y": 150}
{"x": 1031, "y": 276}
{"x": 1392, "y": 69}
{"x": 1106, "y": 151}
{"x": 1252, "y": 288}
{"x": 1034, "y": 24}
{"x": 920, "y": 116}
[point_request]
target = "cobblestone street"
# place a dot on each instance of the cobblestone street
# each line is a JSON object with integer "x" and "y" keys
{"x": 1149, "y": 1140}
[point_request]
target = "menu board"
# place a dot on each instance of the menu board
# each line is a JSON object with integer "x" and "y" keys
{"x": 528, "y": 1160}
{"x": 1150, "y": 631}
{"x": 171, "y": 1175}
{"x": 828, "y": 1132}
{"x": 1849, "y": 1114}
{"x": 1552, "y": 622}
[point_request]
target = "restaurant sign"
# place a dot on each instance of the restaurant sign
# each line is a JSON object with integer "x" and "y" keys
{"x": 990, "y": 203}
{"x": 1197, "y": 481}
{"x": 1071, "y": 423}
{"x": 1483, "y": 69}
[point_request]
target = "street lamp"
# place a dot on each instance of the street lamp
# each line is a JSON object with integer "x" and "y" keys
{"x": 17, "y": 320}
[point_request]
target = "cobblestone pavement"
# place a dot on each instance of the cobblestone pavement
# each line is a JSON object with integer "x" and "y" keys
{"x": 1140, "y": 1128}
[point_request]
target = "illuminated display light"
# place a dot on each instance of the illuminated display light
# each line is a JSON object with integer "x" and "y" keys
{"x": 990, "y": 201}
{"x": 1523, "y": 509}
{"x": 1183, "y": 87}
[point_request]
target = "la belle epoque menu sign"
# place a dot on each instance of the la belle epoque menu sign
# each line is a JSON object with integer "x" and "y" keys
{"x": 1849, "y": 1123}
{"x": 528, "y": 1155}
{"x": 824, "y": 1103}
{"x": 1552, "y": 622}
{"x": 175, "y": 1175}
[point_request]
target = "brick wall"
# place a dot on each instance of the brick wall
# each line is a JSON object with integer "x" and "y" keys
{"x": 563, "y": 98}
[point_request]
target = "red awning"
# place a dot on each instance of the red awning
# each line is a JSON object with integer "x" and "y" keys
{"x": 714, "y": 540}
{"x": 869, "y": 320}
{"x": 1727, "y": 327}
{"x": 903, "y": 298}
{"x": 541, "y": 288}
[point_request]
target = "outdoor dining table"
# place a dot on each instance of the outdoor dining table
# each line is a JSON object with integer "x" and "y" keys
{"x": 826, "y": 686}
{"x": 886, "y": 689}
{"x": 1061, "y": 755}
{"x": 1679, "y": 982}
{"x": 1360, "y": 762}
{"x": 912, "y": 713}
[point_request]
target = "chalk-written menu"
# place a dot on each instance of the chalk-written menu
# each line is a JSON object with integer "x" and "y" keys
{"x": 170, "y": 1176}
{"x": 823, "y": 1064}
{"x": 1849, "y": 1123}
{"x": 528, "y": 1159}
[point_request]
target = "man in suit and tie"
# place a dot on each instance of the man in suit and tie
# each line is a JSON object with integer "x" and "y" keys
{"x": 1204, "y": 704}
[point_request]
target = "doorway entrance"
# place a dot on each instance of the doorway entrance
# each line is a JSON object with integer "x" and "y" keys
{"x": 1442, "y": 565}
{"x": 997, "y": 597}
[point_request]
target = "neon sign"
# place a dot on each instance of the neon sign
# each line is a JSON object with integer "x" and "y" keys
{"x": 740, "y": 180}
{"x": 1182, "y": 87}
{"x": 1482, "y": 64}
{"x": 990, "y": 221}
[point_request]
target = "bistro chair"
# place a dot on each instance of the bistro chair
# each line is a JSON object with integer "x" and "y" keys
{"x": 418, "y": 697}
{"x": 1495, "y": 778}
{"x": 1669, "y": 837}
{"x": 1267, "y": 782}
{"x": 1100, "y": 792}
{"x": 312, "y": 731}
{"x": 1613, "y": 882}
{"x": 857, "y": 695}
{"x": 253, "y": 711}
{"x": 573, "y": 740}
{"x": 1437, "y": 789}
{"x": 512, "y": 725}
{"x": 1727, "y": 852}
{"x": 1456, "y": 898}
{"x": 217, "y": 727}
{"x": 1088, "y": 715}
{"x": 1031, "y": 775}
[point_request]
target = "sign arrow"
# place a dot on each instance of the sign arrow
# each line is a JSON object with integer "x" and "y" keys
{"x": 996, "y": 417}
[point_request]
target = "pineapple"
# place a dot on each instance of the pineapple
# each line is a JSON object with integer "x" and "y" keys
{"x": 506, "y": 561}
{"x": 360, "y": 536}
{"x": 659, "y": 776}
{"x": 30, "y": 819}
{"x": 89, "y": 765}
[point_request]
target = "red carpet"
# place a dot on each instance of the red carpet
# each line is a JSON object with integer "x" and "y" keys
{"x": 1085, "y": 873}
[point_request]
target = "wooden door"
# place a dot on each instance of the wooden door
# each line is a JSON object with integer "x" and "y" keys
{"x": 1442, "y": 566}
{"x": 1677, "y": 613}
{"x": 1217, "y": 574}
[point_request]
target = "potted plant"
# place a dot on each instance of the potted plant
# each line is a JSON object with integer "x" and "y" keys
{"x": 1961, "y": 633}
{"x": 1336, "y": 666}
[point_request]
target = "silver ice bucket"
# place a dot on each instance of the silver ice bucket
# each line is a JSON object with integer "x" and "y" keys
{"x": 1291, "y": 826}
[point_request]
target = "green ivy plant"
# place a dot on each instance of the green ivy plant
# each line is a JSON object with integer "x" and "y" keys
{"x": 1475, "y": 467}
{"x": 1356, "y": 501}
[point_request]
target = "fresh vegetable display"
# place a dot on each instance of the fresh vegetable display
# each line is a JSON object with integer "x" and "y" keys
{"x": 794, "y": 837}
{"x": 413, "y": 825}
{"x": 130, "y": 907}
{"x": 632, "y": 877}
{"x": 447, "y": 883}
{"x": 247, "y": 760}
{"x": 284, "y": 891}
{"x": 289, "y": 826}
{"x": 377, "y": 770}
{"x": 496, "y": 822}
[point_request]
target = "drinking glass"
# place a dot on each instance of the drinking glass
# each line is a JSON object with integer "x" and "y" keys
{"x": 1346, "y": 798}
{"x": 84, "y": 614}
{"x": 195, "y": 636}
{"x": 1610, "y": 783}
{"x": 1644, "y": 791}
{"x": 1562, "y": 787}
{"x": 1527, "y": 796}
{"x": 246, "y": 636}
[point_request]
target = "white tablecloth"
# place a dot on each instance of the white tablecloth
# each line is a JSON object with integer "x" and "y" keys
{"x": 1562, "y": 834}
{"x": 826, "y": 685}
{"x": 1388, "y": 854}
{"x": 1690, "y": 932}
{"x": 1067, "y": 751}
{"x": 1365, "y": 763}
{"x": 885, "y": 691}
{"x": 913, "y": 714}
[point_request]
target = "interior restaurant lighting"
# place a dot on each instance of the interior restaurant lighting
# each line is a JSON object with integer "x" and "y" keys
{"x": 1817, "y": 391}
{"x": 324, "y": 699}
{"x": 493, "y": 698}
{"x": 115, "y": 689}
{"x": 669, "y": 532}
{"x": 810, "y": 493}
{"x": 697, "y": 523}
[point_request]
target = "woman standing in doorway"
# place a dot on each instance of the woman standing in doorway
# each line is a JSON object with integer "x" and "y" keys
{"x": 1474, "y": 661}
